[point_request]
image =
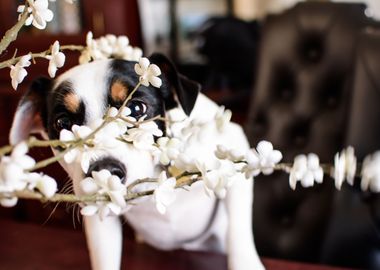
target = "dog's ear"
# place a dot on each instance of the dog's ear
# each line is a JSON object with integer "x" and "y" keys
{"x": 31, "y": 113}
{"x": 182, "y": 89}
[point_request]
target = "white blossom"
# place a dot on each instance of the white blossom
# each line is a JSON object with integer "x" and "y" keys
{"x": 164, "y": 195}
{"x": 103, "y": 183}
{"x": 168, "y": 149}
{"x": 371, "y": 173}
{"x": 92, "y": 50}
{"x": 56, "y": 59}
{"x": 125, "y": 113}
{"x": 252, "y": 168}
{"x": 344, "y": 167}
{"x": 12, "y": 168}
{"x": 104, "y": 139}
{"x": 148, "y": 73}
{"x": 132, "y": 54}
{"x": 186, "y": 163}
{"x": 222, "y": 118}
{"x": 109, "y": 135}
{"x": 142, "y": 136}
{"x": 109, "y": 46}
{"x": 263, "y": 160}
{"x": 82, "y": 154}
{"x": 307, "y": 170}
{"x": 222, "y": 152}
{"x": 44, "y": 183}
{"x": 12, "y": 172}
{"x": 39, "y": 13}
{"x": 217, "y": 179}
{"x": 18, "y": 71}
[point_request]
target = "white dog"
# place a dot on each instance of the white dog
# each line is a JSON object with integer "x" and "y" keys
{"x": 195, "y": 221}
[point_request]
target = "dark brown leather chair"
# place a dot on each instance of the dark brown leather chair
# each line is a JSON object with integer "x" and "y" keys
{"x": 301, "y": 103}
{"x": 354, "y": 229}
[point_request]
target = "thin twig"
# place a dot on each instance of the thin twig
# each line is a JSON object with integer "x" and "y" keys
{"x": 34, "y": 142}
{"x": 42, "y": 54}
{"x": 12, "y": 33}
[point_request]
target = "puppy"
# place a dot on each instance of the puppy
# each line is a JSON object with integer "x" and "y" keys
{"x": 195, "y": 221}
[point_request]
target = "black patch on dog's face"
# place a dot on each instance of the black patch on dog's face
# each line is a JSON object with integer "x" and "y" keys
{"x": 149, "y": 98}
{"x": 62, "y": 114}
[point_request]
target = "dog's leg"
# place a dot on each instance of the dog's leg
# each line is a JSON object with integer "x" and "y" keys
{"x": 241, "y": 250}
{"x": 104, "y": 241}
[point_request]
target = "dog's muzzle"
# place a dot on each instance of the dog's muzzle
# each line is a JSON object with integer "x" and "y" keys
{"x": 114, "y": 166}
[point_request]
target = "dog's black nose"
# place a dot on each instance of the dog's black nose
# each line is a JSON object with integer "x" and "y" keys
{"x": 114, "y": 166}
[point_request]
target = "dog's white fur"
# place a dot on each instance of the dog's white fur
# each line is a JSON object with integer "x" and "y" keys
{"x": 189, "y": 216}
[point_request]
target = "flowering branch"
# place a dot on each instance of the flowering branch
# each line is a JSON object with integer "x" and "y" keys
{"x": 103, "y": 193}
{"x": 42, "y": 54}
{"x": 12, "y": 33}
{"x": 71, "y": 198}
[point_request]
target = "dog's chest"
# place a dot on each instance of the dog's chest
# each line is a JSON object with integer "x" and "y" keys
{"x": 184, "y": 220}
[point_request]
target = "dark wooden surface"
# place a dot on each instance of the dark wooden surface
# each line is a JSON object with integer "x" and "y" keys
{"x": 25, "y": 246}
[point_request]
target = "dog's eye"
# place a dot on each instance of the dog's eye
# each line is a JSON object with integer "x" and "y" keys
{"x": 138, "y": 108}
{"x": 63, "y": 122}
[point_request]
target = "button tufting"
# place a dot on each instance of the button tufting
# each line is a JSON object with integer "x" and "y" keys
{"x": 311, "y": 48}
{"x": 299, "y": 133}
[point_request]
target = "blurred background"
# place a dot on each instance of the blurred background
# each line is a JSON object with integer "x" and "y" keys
{"x": 301, "y": 74}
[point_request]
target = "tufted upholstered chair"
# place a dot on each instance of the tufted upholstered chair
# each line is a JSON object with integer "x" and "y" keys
{"x": 354, "y": 230}
{"x": 301, "y": 103}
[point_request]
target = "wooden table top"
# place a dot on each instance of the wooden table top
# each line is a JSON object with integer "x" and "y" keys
{"x": 25, "y": 246}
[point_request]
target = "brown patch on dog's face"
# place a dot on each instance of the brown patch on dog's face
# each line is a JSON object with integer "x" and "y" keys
{"x": 119, "y": 91}
{"x": 71, "y": 102}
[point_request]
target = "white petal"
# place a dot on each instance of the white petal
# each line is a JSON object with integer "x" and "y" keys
{"x": 161, "y": 208}
{"x": 267, "y": 170}
{"x": 375, "y": 184}
{"x": 59, "y": 59}
{"x": 47, "y": 186}
{"x": 307, "y": 180}
{"x": 8, "y": 202}
{"x": 41, "y": 4}
{"x": 126, "y": 111}
{"x": 85, "y": 162}
{"x": 276, "y": 156}
{"x": 52, "y": 69}
{"x": 66, "y": 135}
{"x": 264, "y": 148}
{"x": 112, "y": 112}
{"x": 292, "y": 181}
{"x": 71, "y": 156}
{"x": 101, "y": 176}
{"x": 21, "y": 8}
{"x": 55, "y": 47}
{"x": 20, "y": 149}
{"x": 88, "y": 186}
{"x": 144, "y": 63}
{"x": 114, "y": 208}
{"x": 114, "y": 183}
{"x": 117, "y": 198}
{"x": 318, "y": 175}
{"x": 155, "y": 81}
{"x": 154, "y": 70}
{"x": 81, "y": 131}
{"x": 313, "y": 161}
{"x": 89, "y": 210}
{"x": 139, "y": 71}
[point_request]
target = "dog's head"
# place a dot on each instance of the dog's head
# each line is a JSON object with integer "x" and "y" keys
{"x": 84, "y": 93}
